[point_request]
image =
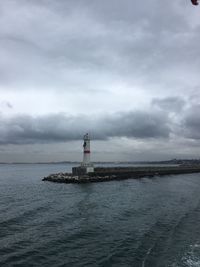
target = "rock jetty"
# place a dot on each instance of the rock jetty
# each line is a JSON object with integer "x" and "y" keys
{"x": 120, "y": 173}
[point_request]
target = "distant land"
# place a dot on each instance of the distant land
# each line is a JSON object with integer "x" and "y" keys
{"x": 172, "y": 161}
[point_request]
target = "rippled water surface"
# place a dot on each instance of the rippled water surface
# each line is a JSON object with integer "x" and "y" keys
{"x": 147, "y": 222}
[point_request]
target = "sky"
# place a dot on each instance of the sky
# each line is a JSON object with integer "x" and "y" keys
{"x": 125, "y": 71}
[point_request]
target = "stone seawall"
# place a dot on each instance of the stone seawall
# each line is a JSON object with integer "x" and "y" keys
{"x": 120, "y": 173}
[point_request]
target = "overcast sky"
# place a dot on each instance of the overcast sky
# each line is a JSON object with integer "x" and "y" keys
{"x": 127, "y": 72}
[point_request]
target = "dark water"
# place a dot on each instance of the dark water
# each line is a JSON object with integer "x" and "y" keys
{"x": 147, "y": 222}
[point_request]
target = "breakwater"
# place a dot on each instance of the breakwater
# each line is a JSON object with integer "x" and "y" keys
{"x": 101, "y": 174}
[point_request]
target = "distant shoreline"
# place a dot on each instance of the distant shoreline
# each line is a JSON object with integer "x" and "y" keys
{"x": 173, "y": 161}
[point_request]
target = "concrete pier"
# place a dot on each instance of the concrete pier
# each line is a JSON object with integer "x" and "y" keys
{"x": 120, "y": 173}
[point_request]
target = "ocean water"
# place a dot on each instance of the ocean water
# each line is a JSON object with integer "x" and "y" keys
{"x": 148, "y": 222}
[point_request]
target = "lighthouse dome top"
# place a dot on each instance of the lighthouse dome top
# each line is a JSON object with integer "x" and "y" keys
{"x": 86, "y": 136}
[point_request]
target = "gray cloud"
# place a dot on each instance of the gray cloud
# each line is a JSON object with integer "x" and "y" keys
{"x": 60, "y": 127}
{"x": 173, "y": 104}
{"x": 123, "y": 38}
{"x": 191, "y": 123}
{"x": 6, "y": 104}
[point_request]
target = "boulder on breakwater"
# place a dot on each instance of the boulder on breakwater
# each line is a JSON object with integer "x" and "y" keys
{"x": 69, "y": 178}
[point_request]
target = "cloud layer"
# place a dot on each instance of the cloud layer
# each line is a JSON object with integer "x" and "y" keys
{"x": 130, "y": 69}
{"x": 60, "y": 127}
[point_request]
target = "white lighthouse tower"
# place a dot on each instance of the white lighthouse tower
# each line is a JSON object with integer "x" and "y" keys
{"x": 86, "y": 165}
{"x": 86, "y": 150}
{"x": 86, "y": 154}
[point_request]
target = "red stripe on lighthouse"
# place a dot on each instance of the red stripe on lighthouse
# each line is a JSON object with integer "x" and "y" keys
{"x": 86, "y": 151}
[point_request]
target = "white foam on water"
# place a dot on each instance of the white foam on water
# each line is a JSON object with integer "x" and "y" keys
{"x": 193, "y": 262}
{"x": 146, "y": 256}
{"x": 192, "y": 257}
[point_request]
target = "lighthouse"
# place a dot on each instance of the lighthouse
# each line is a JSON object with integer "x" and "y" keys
{"x": 86, "y": 166}
{"x": 86, "y": 150}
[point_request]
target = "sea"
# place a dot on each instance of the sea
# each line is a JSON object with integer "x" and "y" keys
{"x": 149, "y": 222}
